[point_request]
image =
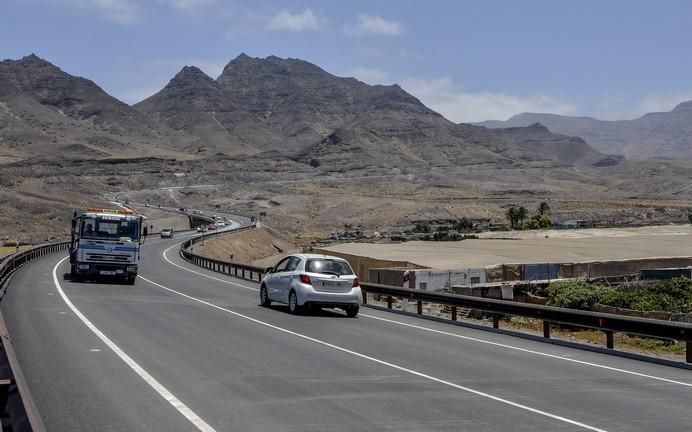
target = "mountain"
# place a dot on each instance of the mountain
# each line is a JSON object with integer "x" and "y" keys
{"x": 334, "y": 123}
{"x": 197, "y": 105}
{"x": 260, "y": 105}
{"x": 653, "y": 135}
{"x": 45, "y": 111}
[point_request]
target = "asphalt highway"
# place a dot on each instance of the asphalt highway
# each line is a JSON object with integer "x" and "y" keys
{"x": 186, "y": 349}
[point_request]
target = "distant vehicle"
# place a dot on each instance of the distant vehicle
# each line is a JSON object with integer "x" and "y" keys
{"x": 201, "y": 229}
{"x": 106, "y": 243}
{"x": 211, "y": 226}
{"x": 167, "y": 233}
{"x": 220, "y": 224}
{"x": 306, "y": 280}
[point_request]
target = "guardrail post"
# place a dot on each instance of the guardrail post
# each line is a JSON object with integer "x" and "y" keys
{"x": 609, "y": 340}
{"x": 389, "y": 302}
{"x": 496, "y": 321}
{"x": 365, "y": 296}
{"x": 688, "y": 351}
{"x": 420, "y": 307}
{"x": 546, "y": 329}
{"x": 454, "y": 313}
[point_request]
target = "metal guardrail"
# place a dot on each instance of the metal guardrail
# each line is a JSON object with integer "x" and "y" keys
{"x": 241, "y": 271}
{"x": 15, "y": 400}
{"x": 608, "y": 323}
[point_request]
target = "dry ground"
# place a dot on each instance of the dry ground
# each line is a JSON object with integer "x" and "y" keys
{"x": 256, "y": 247}
{"x": 646, "y": 242}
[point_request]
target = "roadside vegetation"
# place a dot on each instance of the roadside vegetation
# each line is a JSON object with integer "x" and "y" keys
{"x": 674, "y": 296}
{"x": 541, "y": 220}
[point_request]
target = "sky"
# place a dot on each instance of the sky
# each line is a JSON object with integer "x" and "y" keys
{"x": 469, "y": 60}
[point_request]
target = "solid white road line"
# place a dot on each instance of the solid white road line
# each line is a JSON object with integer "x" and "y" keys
{"x": 150, "y": 380}
{"x": 469, "y": 338}
{"x": 381, "y": 362}
{"x": 202, "y": 274}
{"x": 554, "y": 356}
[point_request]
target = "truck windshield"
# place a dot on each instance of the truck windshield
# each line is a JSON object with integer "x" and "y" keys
{"x": 110, "y": 228}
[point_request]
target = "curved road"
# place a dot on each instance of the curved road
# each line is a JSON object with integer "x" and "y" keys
{"x": 186, "y": 350}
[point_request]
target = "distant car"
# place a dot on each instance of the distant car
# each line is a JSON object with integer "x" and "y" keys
{"x": 201, "y": 229}
{"x": 167, "y": 233}
{"x": 305, "y": 280}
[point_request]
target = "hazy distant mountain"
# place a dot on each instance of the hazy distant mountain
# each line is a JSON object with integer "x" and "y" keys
{"x": 653, "y": 135}
{"x": 295, "y": 107}
{"x": 45, "y": 111}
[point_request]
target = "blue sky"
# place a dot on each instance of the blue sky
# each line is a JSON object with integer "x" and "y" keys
{"x": 469, "y": 60}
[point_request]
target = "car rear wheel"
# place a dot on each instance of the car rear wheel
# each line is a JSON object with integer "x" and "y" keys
{"x": 264, "y": 297}
{"x": 352, "y": 311}
{"x": 293, "y": 306}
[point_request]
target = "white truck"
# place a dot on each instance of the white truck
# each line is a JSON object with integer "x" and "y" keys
{"x": 106, "y": 244}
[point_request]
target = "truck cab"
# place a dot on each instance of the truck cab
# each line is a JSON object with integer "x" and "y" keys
{"x": 106, "y": 244}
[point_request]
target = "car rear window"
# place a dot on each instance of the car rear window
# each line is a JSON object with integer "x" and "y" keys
{"x": 328, "y": 266}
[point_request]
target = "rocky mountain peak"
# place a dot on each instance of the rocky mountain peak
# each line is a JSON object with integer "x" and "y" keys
{"x": 684, "y": 106}
{"x": 190, "y": 75}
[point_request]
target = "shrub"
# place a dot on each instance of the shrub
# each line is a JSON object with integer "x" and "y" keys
{"x": 575, "y": 294}
{"x": 667, "y": 296}
{"x": 538, "y": 222}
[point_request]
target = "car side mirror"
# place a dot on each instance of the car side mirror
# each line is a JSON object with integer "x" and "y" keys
{"x": 269, "y": 270}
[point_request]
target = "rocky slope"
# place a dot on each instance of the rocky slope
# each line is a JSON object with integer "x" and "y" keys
{"x": 337, "y": 124}
{"x": 45, "y": 111}
{"x": 653, "y": 135}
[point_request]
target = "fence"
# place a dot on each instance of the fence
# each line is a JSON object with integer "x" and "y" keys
{"x": 608, "y": 323}
{"x": 241, "y": 271}
{"x": 14, "y": 399}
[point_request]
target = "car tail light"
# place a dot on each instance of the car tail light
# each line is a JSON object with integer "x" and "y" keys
{"x": 356, "y": 282}
{"x": 305, "y": 279}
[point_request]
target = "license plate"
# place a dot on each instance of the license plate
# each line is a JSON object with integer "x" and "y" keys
{"x": 330, "y": 284}
{"x": 107, "y": 272}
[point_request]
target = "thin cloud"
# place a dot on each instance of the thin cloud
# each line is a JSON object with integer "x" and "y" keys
{"x": 188, "y": 5}
{"x": 374, "y": 25}
{"x": 118, "y": 11}
{"x": 284, "y": 20}
{"x": 134, "y": 95}
{"x": 450, "y": 100}
{"x": 369, "y": 75}
{"x": 619, "y": 107}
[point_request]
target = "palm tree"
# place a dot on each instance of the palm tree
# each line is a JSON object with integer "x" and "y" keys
{"x": 512, "y": 216}
{"x": 543, "y": 208}
{"x": 522, "y": 213}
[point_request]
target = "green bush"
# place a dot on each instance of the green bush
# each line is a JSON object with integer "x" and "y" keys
{"x": 575, "y": 294}
{"x": 668, "y": 296}
{"x": 538, "y": 222}
{"x": 673, "y": 295}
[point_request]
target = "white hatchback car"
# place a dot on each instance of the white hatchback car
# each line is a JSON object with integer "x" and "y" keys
{"x": 312, "y": 280}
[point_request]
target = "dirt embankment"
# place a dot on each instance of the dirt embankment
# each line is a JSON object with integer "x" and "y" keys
{"x": 256, "y": 247}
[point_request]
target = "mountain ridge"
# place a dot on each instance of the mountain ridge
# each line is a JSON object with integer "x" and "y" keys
{"x": 665, "y": 134}
{"x": 258, "y": 105}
